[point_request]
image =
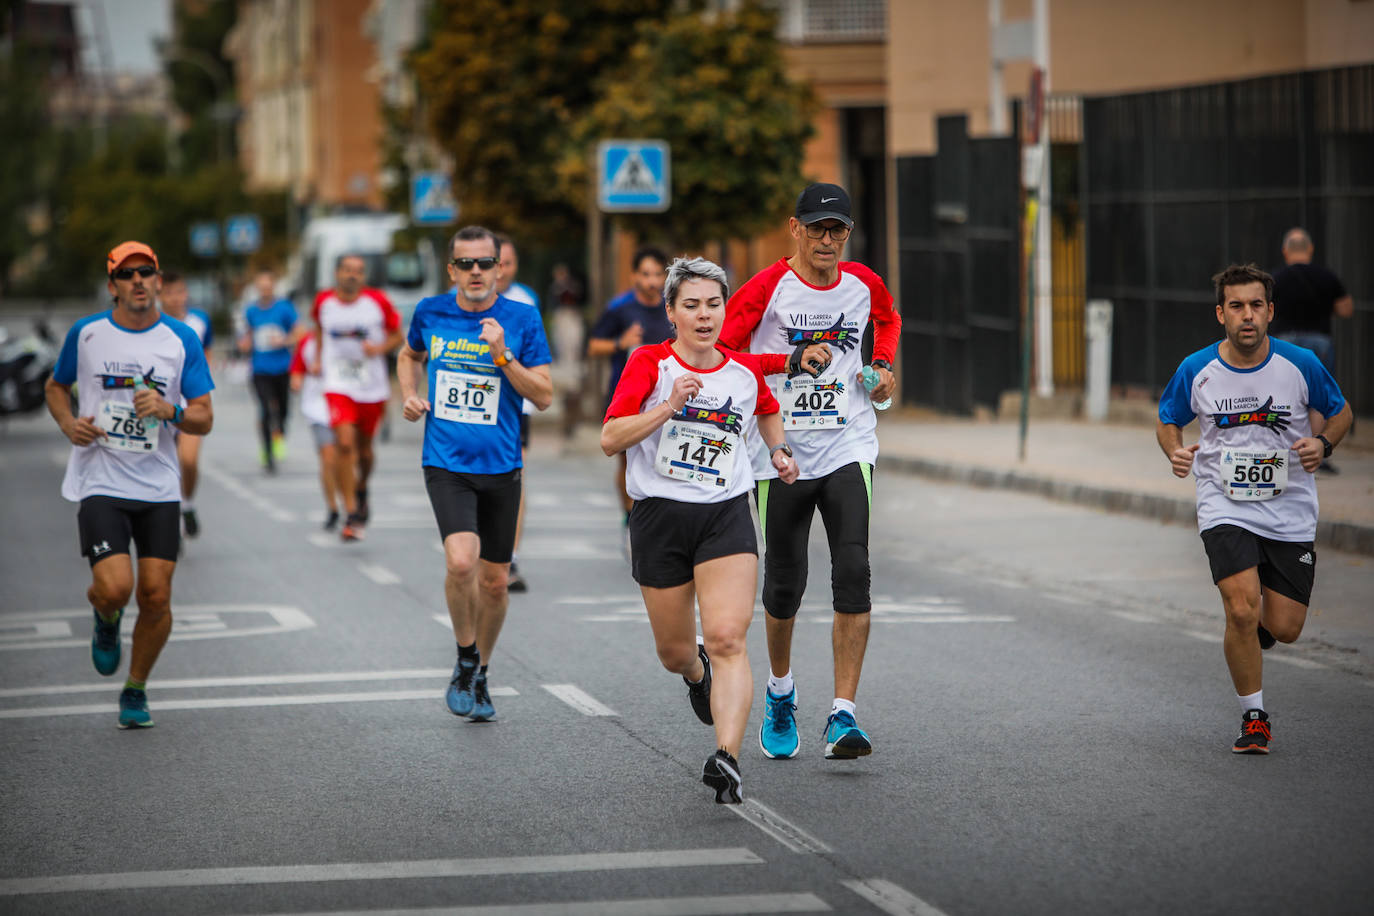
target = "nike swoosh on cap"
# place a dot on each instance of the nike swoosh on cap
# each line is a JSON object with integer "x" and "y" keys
{"x": 826, "y": 200}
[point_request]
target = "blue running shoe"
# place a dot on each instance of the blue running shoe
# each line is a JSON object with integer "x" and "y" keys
{"x": 778, "y": 734}
{"x": 133, "y": 709}
{"x": 482, "y": 710}
{"x": 844, "y": 740}
{"x": 105, "y": 647}
{"x": 459, "y": 694}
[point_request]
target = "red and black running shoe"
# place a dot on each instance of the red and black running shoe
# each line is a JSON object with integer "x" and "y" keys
{"x": 1254, "y": 733}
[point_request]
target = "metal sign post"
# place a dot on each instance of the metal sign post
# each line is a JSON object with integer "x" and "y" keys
{"x": 1032, "y": 167}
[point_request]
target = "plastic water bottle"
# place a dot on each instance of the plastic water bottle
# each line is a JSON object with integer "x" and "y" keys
{"x": 150, "y": 422}
{"x": 871, "y": 379}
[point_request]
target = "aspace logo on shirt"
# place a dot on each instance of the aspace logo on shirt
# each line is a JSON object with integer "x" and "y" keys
{"x": 1240, "y": 412}
{"x": 836, "y": 334}
{"x": 354, "y": 333}
{"x": 120, "y": 375}
{"x": 724, "y": 417}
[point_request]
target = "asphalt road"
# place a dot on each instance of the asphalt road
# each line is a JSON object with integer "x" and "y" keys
{"x": 1044, "y": 686}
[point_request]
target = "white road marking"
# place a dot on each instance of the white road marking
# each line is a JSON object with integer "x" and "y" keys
{"x": 724, "y": 905}
{"x": 266, "y": 680}
{"x": 316, "y": 699}
{"x": 566, "y": 548}
{"x": 378, "y": 871}
{"x": 927, "y": 617}
{"x": 232, "y": 484}
{"x": 1294, "y": 660}
{"x": 598, "y": 599}
{"x": 192, "y": 621}
{"x": 777, "y": 826}
{"x": 1198, "y": 634}
{"x": 890, "y": 898}
{"x": 580, "y": 700}
{"x": 379, "y": 574}
{"x": 1133, "y": 617}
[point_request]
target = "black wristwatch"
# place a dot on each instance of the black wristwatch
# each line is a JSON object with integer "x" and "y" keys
{"x": 881, "y": 364}
{"x": 1326, "y": 446}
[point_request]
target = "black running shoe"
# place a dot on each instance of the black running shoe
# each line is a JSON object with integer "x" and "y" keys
{"x": 516, "y": 582}
{"x": 352, "y": 529}
{"x": 331, "y": 521}
{"x": 364, "y": 512}
{"x": 700, "y": 693}
{"x": 1266, "y": 638}
{"x": 1254, "y": 733}
{"x": 192, "y": 523}
{"x": 721, "y": 773}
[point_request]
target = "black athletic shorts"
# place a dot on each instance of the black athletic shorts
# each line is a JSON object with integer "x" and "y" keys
{"x": 486, "y": 504}
{"x": 669, "y": 538}
{"x": 524, "y": 430}
{"x": 1288, "y": 567}
{"x": 108, "y": 523}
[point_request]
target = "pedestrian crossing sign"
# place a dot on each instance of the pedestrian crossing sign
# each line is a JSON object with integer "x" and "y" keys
{"x": 633, "y": 176}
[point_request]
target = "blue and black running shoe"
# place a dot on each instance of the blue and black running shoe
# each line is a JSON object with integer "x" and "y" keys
{"x": 844, "y": 740}
{"x": 482, "y": 710}
{"x": 778, "y": 735}
{"x": 105, "y": 646}
{"x": 459, "y": 694}
{"x": 133, "y": 709}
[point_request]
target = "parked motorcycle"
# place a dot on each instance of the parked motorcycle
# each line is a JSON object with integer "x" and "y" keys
{"x": 25, "y": 364}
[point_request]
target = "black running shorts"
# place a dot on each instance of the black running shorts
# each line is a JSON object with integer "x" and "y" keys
{"x": 1287, "y": 567}
{"x": 108, "y": 524}
{"x": 486, "y": 504}
{"x": 668, "y": 539}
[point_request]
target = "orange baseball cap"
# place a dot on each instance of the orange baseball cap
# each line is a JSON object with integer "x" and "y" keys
{"x": 125, "y": 250}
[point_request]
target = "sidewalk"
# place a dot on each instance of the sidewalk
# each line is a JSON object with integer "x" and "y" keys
{"x": 1118, "y": 468}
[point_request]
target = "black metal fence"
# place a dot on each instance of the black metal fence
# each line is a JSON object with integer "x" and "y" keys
{"x": 1179, "y": 183}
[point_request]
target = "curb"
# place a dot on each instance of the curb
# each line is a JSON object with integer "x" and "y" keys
{"x": 1346, "y": 536}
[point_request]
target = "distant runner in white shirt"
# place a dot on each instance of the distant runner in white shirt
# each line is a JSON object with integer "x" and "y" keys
{"x": 315, "y": 409}
{"x": 134, "y": 368}
{"x": 175, "y": 301}
{"x": 1258, "y": 402}
{"x": 507, "y": 286}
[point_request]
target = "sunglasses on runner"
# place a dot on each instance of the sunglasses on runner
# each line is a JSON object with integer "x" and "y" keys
{"x": 837, "y": 233}
{"x": 127, "y": 273}
{"x": 481, "y": 263}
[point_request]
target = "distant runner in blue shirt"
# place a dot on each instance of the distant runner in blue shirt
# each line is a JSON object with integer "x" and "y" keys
{"x": 484, "y": 353}
{"x": 269, "y": 332}
{"x": 175, "y": 298}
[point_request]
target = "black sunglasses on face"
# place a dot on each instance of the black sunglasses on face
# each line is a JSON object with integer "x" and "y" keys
{"x": 127, "y": 273}
{"x": 467, "y": 263}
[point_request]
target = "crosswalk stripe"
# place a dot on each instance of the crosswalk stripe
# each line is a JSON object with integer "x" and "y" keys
{"x": 315, "y": 699}
{"x": 578, "y": 699}
{"x": 251, "y": 680}
{"x": 723, "y": 905}
{"x": 891, "y": 898}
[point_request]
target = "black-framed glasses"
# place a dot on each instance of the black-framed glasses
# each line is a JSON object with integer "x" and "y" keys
{"x": 127, "y": 273}
{"x": 837, "y": 233}
{"x": 469, "y": 263}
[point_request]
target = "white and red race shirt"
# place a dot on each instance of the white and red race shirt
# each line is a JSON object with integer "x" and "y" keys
{"x": 313, "y": 405}
{"x": 700, "y": 455}
{"x": 775, "y": 312}
{"x": 344, "y": 327}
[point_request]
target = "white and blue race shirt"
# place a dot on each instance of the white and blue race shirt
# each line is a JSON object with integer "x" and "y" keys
{"x": 1250, "y": 419}
{"x": 105, "y": 361}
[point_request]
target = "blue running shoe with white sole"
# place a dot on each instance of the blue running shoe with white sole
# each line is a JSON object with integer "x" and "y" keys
{"x": 482, "y": 710}
{"x": 133, "y": 709}
{"x": 778, "y": 735}
{"x": 105, "y": 647}
{"x": 459, "y": 694}
{"x": 844, "y": 740}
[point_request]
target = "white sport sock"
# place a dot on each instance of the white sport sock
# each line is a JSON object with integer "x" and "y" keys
{"x": 188, "y": 505}
{"x": 845, "y": 705}
{"x": 780, "y": 686}
{"x": 1253, "y": 701}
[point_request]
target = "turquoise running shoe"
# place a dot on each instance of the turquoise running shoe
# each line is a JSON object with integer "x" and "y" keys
{"x": 459, "y": 695}
{"x": 778, "y": 735}
{"x": 482, "y": 710}
{"x": 105, "y": 646}
{"x": 133, "y": 709}
{"x": 844, "y": 740}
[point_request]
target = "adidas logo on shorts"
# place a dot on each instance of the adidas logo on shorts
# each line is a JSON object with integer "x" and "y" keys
{"x": 1306, "y": 558}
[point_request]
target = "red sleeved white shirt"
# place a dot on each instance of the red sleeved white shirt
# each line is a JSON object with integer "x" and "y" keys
{"x": 344, "y": 327}
{"x": 313, "y": 405}
{"x": 776, "y": 310}
{"x": 700, "y": 455}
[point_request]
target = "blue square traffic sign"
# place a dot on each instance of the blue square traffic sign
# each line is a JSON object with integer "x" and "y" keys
{"x": 431, "y": 199}
{"x": 242, "y": 234}
{"x": 205, "y": 240}
{"x": 633, "y": 176}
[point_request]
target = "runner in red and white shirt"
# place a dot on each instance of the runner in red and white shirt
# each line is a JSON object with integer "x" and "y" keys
{"x": 684, "y": 412}
{"x": 358, "y": 328}
{"x": 812, "y": 298}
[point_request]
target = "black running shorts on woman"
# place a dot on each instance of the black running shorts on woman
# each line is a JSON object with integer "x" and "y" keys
{"x": 109, "y": 524}
{"x": 668, "y": 538}
{"x": 485, "y": 504}
{"x": 785, "y": 511}
{"x": 1287, "y": 567}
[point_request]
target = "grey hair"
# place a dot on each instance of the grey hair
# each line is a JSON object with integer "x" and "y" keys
{"x": 684, "y": 269}
{"x": 1297, "y": 239}
{"x": 474, "y": 234}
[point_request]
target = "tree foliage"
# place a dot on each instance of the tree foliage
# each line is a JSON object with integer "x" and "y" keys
{"x": 25, "y": 156}
{"x": 716, "y": 88}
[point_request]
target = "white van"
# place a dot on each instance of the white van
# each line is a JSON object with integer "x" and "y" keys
{"x": 405, "y": 275}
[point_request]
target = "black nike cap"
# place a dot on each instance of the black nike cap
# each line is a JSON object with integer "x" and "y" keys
{"x": 824, "y": 201}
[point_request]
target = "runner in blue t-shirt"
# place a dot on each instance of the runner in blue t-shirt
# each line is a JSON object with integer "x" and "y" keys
{"x": 269, "y": 332}
{"x": 142, "y": 377}
{"x": 175, "y": 298}
{"x": 484, "y": 353}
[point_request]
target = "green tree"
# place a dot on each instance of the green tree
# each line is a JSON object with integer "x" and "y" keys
{"x": 24, "y": 176}
{"x": 714, "y": 86}
{"x": 504, "y": 81}
{"x": 195, "y": 65}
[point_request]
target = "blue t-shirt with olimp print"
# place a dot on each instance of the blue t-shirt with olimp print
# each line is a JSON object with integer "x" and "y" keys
{"x": 473, "y": 426}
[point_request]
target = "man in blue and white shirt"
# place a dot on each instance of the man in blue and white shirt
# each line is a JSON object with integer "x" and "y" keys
{"x": 141, "y": 376}
{"x": 1260, "y": 403}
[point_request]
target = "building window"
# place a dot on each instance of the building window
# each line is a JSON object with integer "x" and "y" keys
{"x": 832, "y": 20}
